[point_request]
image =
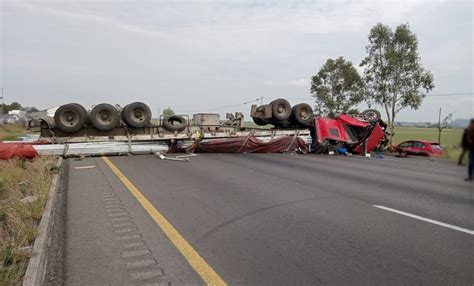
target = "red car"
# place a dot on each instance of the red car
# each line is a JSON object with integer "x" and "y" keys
{"x": 420, "y": 148}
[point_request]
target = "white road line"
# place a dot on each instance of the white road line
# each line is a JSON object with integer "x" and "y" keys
{"x": 84, "y": 167}
{"x": 427, "y": 220}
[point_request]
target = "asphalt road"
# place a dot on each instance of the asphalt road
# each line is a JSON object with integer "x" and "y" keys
{"x": 275, "y": 219}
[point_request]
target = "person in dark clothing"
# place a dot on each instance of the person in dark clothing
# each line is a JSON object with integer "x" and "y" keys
{"x": 464, "y": 145}
{"x": 470, "y": 140}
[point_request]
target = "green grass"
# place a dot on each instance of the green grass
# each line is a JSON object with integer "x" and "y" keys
{"x": 450, "y": 138}
{"x": 10, "y": 132}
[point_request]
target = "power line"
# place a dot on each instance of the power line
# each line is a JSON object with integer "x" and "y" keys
{"x": 428, "y": 95}
{"x": 451, "y": 94}
{"x": 301, "y": 98}
{"x": 222, "y": 107}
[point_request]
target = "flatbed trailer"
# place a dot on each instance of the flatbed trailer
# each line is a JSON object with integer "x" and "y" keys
{"x": 74, "y": 131}
{"x": 158, "y": 133}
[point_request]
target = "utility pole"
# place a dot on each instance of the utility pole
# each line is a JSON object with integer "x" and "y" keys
{"x": 439, "y": 127}
{"x": 3, "y": 104}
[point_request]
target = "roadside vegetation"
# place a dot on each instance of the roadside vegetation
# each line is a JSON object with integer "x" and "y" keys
{"x": 24, "y": 187}
{"x": 11, "y": 131}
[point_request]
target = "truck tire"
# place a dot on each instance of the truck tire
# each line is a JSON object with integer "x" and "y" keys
{"x": 136, "y": 114}
{"x": 175, "y": 123}
{"x": 371, "y": 115}
{"x": 85, "y": 111}
{"x": 281, "y": 109}
{"x": 260, "y": 121}
{"x": 302, "y": 114}
{"x": 104, "y": 117}
{"x": 70, "y": 117}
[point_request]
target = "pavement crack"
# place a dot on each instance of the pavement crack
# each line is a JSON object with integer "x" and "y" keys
{"x": 243, "y": 216}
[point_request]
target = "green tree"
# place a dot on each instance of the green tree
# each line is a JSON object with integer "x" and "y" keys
{"x": 393, "y": 74}
{"x": 12, "y": 106}
{"x": 168, "y": 111}
{"x": 337, "y": 87}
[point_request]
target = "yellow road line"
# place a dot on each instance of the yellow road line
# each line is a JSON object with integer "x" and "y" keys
{"x": 192, "y": 256}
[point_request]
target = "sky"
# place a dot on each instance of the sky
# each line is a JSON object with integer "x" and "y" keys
{"x": 214, "y": 56}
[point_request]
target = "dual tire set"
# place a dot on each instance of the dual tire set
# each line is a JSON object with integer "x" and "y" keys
{"x": 283, "y": 115}
{"x": 72, "y": 117}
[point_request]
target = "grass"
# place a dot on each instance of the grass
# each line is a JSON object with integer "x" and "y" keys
{"x": 450, "y": 138}
{"x": 19, "y": 220}
{"x": 11, "y": 132}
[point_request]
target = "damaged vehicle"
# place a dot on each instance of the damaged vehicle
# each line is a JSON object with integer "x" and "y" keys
{"x": 419, "y": 148}
{"x": 360, "y": 134}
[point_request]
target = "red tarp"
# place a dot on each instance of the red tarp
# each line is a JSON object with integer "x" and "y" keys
{"x": 17, "y": 150}
{"x": 250, "y": 144}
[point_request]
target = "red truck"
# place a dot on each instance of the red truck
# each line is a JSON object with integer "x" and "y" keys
{"x": 358, "y": 134}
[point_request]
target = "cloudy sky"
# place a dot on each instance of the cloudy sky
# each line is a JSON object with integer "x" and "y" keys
{"x": 199, "y": 56}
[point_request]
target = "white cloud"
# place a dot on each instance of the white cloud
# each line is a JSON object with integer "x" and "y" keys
{"x": 90, "y": 17}
{"x": 298, "y": 82}
{"x": 177, "y": 53}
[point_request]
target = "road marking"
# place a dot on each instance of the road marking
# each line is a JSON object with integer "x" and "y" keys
{"x": 427, "y": 220}
{"x": 84, "y": 167}
{"x": 192, "y": 256}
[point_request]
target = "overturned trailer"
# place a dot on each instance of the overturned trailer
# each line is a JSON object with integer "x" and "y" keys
{"x": 109, "y": 129}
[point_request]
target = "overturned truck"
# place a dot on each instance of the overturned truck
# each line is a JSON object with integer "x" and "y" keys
{"x": 360, "y": 134}
{"x": 280, "y": 128}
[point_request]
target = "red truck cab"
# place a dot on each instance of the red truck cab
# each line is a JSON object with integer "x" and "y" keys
{"x": 357, "y": 134}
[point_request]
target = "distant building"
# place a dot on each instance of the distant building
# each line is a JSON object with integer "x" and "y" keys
{"x": 15, "y": 115}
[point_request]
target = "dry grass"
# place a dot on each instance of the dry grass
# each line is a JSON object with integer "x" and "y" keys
{"x": 19, "y": 220}
{"x": 11, "y": 131}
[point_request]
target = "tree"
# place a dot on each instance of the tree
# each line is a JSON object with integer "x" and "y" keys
{"x": 168, "y": 111}
{"x": 443, "y": 124}
{"x": 31, "y": 109}
{"x": 393, "y": 73}
{"x": 337, "y": 87}
{"x": 12, "y": 106}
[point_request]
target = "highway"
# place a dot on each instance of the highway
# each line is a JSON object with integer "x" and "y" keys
{"x": 268, "y": 219}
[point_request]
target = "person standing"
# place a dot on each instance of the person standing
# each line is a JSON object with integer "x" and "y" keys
{"x": 464, "y": 146}
{"x": 470, "y": 140}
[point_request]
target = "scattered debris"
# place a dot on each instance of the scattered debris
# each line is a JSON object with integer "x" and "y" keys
{"x": 23, "y": 185}
{"x": 27, "y": 249}
{"x": 52, "y": 168}
{"x": 29, "y": 199}
{"x": 182, "y": 158}
{"x": 342, "y": 151}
